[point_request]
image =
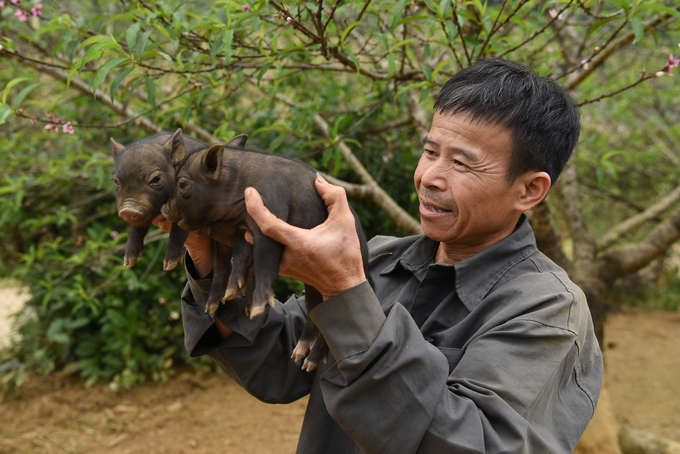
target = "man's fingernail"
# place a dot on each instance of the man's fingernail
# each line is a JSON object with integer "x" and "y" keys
{"x": 248, "y": 193}
{"x": 321, "y": 178}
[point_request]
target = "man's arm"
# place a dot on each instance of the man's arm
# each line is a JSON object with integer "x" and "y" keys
{"x": 393, "y": 391}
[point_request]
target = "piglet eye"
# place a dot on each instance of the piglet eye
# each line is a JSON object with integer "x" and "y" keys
{"x": 155, "y": 180}
{"x": 183, "y": 185}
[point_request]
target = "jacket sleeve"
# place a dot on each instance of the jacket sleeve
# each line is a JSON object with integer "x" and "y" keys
{"x": 392, "y": 391}
{"x": 264, "y": 368}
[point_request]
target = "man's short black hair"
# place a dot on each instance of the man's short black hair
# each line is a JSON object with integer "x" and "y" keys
{"x": 541, "y": 114}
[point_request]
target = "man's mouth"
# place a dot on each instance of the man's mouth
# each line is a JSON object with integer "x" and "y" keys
{"x": 435, "y": 209}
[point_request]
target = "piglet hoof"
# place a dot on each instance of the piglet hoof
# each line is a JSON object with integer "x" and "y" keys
{"x": 170, "y": 265}
{"x": 301, "y": 349}
{"x": 229, "y": 294}
{"x": 129, "y": 261}
{"x": 256, "y": 311}
{"x": 211, "y": 307}
{"x": 318, "y": 354}
{"x": 309, "y": 365}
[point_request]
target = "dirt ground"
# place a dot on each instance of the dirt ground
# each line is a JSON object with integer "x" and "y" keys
{"x": 200, "y": 414}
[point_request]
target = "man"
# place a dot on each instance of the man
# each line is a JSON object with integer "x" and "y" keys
{"x": 471, "y": 340}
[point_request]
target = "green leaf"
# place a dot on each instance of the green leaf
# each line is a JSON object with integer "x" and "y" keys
{"x": 398, "y": 12}
{"x": 222, "y": 16}
{"x": 103, "y": 71}
{"x": 9, "y": 86}
{"x": 354, "y": 59}
{"x": 5, "y": 112}
{"x": 428, "y": 73}
{"x": 22, "y": 94}
{"x": 227, "y": 42}
{"x": 347, "y": 31}
{"x": 131, "y": 35}
{"x": 439, "y": 67}
{"x": 444, "y": 6}
{"x": 92, "y": 40}
{"x": 150, "y": 91}
{"x": 264, "y": 69}
{"x": 638, "y": 28}
{"x": 43, "y": 30}
{"x": 424, "y": 94}
{"x": 433, "y": 7}
{"x": 391, "y": 67}
{"x": 119, "y": 78}
{"x": 95, "y": 49}
{"x": 216, "y": 47}
{"x": 453, "y": 30}
{"x": 411, "y": 86}
{"x": 597, "y": 25}
{"x": 141, "y": 43}
{"x": 663, "y": 8}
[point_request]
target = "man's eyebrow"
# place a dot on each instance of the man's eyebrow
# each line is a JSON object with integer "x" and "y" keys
{"x": 459, "y": 151}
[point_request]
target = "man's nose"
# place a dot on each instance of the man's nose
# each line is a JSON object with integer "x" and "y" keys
{"x": 434, "y": 177}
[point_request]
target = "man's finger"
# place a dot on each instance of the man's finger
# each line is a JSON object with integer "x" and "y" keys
{"x": 333, "y": 196}
{"x": 268, "y": 223}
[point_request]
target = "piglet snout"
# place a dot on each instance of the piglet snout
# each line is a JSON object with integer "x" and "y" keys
{"x": 129, "y": 215}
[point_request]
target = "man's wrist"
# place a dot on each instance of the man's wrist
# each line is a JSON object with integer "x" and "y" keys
{"x": 350, "y": 321}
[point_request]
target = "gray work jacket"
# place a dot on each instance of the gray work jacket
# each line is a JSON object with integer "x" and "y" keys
{"x": 493, "y": 354}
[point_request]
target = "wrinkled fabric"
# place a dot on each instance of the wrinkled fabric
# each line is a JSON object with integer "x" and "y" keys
{"x": 493, "y": 354}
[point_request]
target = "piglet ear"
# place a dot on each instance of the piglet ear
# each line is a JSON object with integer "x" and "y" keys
{"x": 174, "y": 147}
{"x": 212, "y": 161}
{"x": 239, "y": 141}
{"x": 116, "y": 148}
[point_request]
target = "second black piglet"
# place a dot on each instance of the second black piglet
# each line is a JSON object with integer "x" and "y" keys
{"x": 209, "y": 195}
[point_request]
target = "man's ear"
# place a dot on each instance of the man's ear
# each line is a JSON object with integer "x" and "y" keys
{"x": 533, "y": 187}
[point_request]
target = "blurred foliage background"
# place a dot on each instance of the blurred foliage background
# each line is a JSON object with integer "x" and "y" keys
{"x": 346, "y": 86}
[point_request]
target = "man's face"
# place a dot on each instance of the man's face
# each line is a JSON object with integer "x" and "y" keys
{"x": 466, "y": 202}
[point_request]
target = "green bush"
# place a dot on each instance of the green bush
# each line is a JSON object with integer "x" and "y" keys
{"x": 87, "y": 312}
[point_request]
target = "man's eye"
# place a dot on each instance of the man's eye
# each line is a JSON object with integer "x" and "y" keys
{"x": 457, "y": 163}
{"x": 155, "y": 180}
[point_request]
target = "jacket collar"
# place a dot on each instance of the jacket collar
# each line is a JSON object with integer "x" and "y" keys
{"x": 477, "y": 274}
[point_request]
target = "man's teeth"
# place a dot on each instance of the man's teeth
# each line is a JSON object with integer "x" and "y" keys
{"x": 435, "y": 209}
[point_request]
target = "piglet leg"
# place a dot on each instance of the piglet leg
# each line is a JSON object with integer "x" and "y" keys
{"x": 135, "y": 244}
{"x": 311, "y": 340}
{"x": 242, "y": 262}
{"x": 221, "y": 271}
{"x": 266, "y": 257}
{"x": 175, "y": 251}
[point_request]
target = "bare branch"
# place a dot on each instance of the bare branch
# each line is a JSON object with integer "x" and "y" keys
{"x": 547, "y": 237}
{"x": 403, "y": 220}
{"x": 670, "y": 154}
{"x": 602, "y": 56}
{"x": 584, "y": 243}
{"x": 386, "y": 126}
{"x": 418, "y": 115}
{"x": 538, "y": 32}
{"x": 661, "y": 238}
{"x": 636, "y": 221}
{"x": 118, "y": 107}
